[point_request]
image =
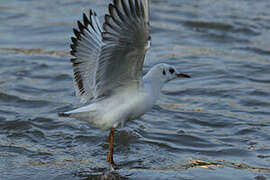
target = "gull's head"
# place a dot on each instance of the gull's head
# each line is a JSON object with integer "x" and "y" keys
{"x": 166, "y": 72}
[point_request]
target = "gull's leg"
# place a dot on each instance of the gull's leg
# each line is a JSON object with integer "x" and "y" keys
{"x": 110, "y": 153}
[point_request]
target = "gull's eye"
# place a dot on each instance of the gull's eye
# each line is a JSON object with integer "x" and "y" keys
{"x": 171, "y": 70}
{"x": 164, "y": 72}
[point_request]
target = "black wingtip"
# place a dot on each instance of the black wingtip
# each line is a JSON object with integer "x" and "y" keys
{"x": 74, "y": 41}
{"x": 76, "y": 33}
{"x": 73, "y": 60}
{"x": 106, "y": 18}
{"x": 111, "y": 8}
{"x": 85, "y": 20}
{"x": 62, "y": 114}
{"x": 73, "y": 53}
{"x": 81, "y": 26}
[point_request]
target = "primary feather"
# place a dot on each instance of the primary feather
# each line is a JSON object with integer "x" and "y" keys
{"x": 86, "y": 46}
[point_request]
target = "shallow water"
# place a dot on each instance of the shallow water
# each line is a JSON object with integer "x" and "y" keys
{"x": 214, "y": 125}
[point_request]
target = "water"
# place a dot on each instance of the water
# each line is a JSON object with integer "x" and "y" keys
{"x": 215, "y": 125}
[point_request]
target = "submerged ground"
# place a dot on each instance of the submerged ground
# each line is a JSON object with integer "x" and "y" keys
{"x": 213, "y": 126}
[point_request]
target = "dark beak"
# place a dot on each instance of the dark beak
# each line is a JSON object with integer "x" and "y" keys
{"x": 183, "y": 75}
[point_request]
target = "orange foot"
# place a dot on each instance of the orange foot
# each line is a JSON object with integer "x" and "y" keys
{"x": 111, "y": 162}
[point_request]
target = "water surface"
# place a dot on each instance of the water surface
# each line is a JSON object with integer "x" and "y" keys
{"x": 215, "y": 125}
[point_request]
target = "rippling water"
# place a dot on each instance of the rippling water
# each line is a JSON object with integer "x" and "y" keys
{"x": 215, "y": 125}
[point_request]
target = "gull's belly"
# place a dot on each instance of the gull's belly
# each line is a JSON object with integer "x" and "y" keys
{"x": 124, "y": 107}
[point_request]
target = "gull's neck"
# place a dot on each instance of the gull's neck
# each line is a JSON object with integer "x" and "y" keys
{"x": 152, "y": 83}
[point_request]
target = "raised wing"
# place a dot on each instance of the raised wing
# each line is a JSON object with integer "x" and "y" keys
{"x": 86, "y": 48}
{"x": 126, "y": 39}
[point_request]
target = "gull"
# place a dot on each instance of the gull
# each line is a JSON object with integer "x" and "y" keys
{"x": 107, "y": 64}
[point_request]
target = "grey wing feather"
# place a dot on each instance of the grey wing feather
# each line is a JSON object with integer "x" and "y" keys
{"x": 86, "y": 48}
{"x": 126, "y": 39}
{"x": 146, "y": 8}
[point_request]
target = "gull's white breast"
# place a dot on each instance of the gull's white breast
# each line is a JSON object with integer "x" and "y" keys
{"x": 125, "y": 105}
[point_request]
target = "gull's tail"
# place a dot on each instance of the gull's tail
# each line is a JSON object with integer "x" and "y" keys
{"x": 86, "y": 111}
{"x": 90, "y": 113}
{"x": 63, "y": 114}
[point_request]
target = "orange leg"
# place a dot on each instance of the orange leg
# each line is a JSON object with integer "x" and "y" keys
{"x": 110, "y": 153}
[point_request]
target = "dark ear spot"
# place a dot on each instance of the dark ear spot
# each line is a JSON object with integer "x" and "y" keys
{"x": 171, "y": 70}
{"x": 164, "y": 72}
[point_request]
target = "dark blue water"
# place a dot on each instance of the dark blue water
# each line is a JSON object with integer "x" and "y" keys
{"x": 215, "y": 125}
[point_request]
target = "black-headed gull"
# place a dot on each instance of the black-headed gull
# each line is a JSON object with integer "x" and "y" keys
{"x": 107, "y": 64}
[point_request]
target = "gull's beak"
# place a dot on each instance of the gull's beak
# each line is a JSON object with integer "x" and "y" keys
{"x": 183, "y": 75}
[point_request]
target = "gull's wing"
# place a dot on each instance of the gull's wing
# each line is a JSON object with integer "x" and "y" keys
{"x": 113, "y": 57}
{"x": 86, "y": 48}
{"x": 126, "y": 39}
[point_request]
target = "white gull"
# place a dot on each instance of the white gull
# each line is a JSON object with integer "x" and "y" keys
{"x": 107, "y": 64}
